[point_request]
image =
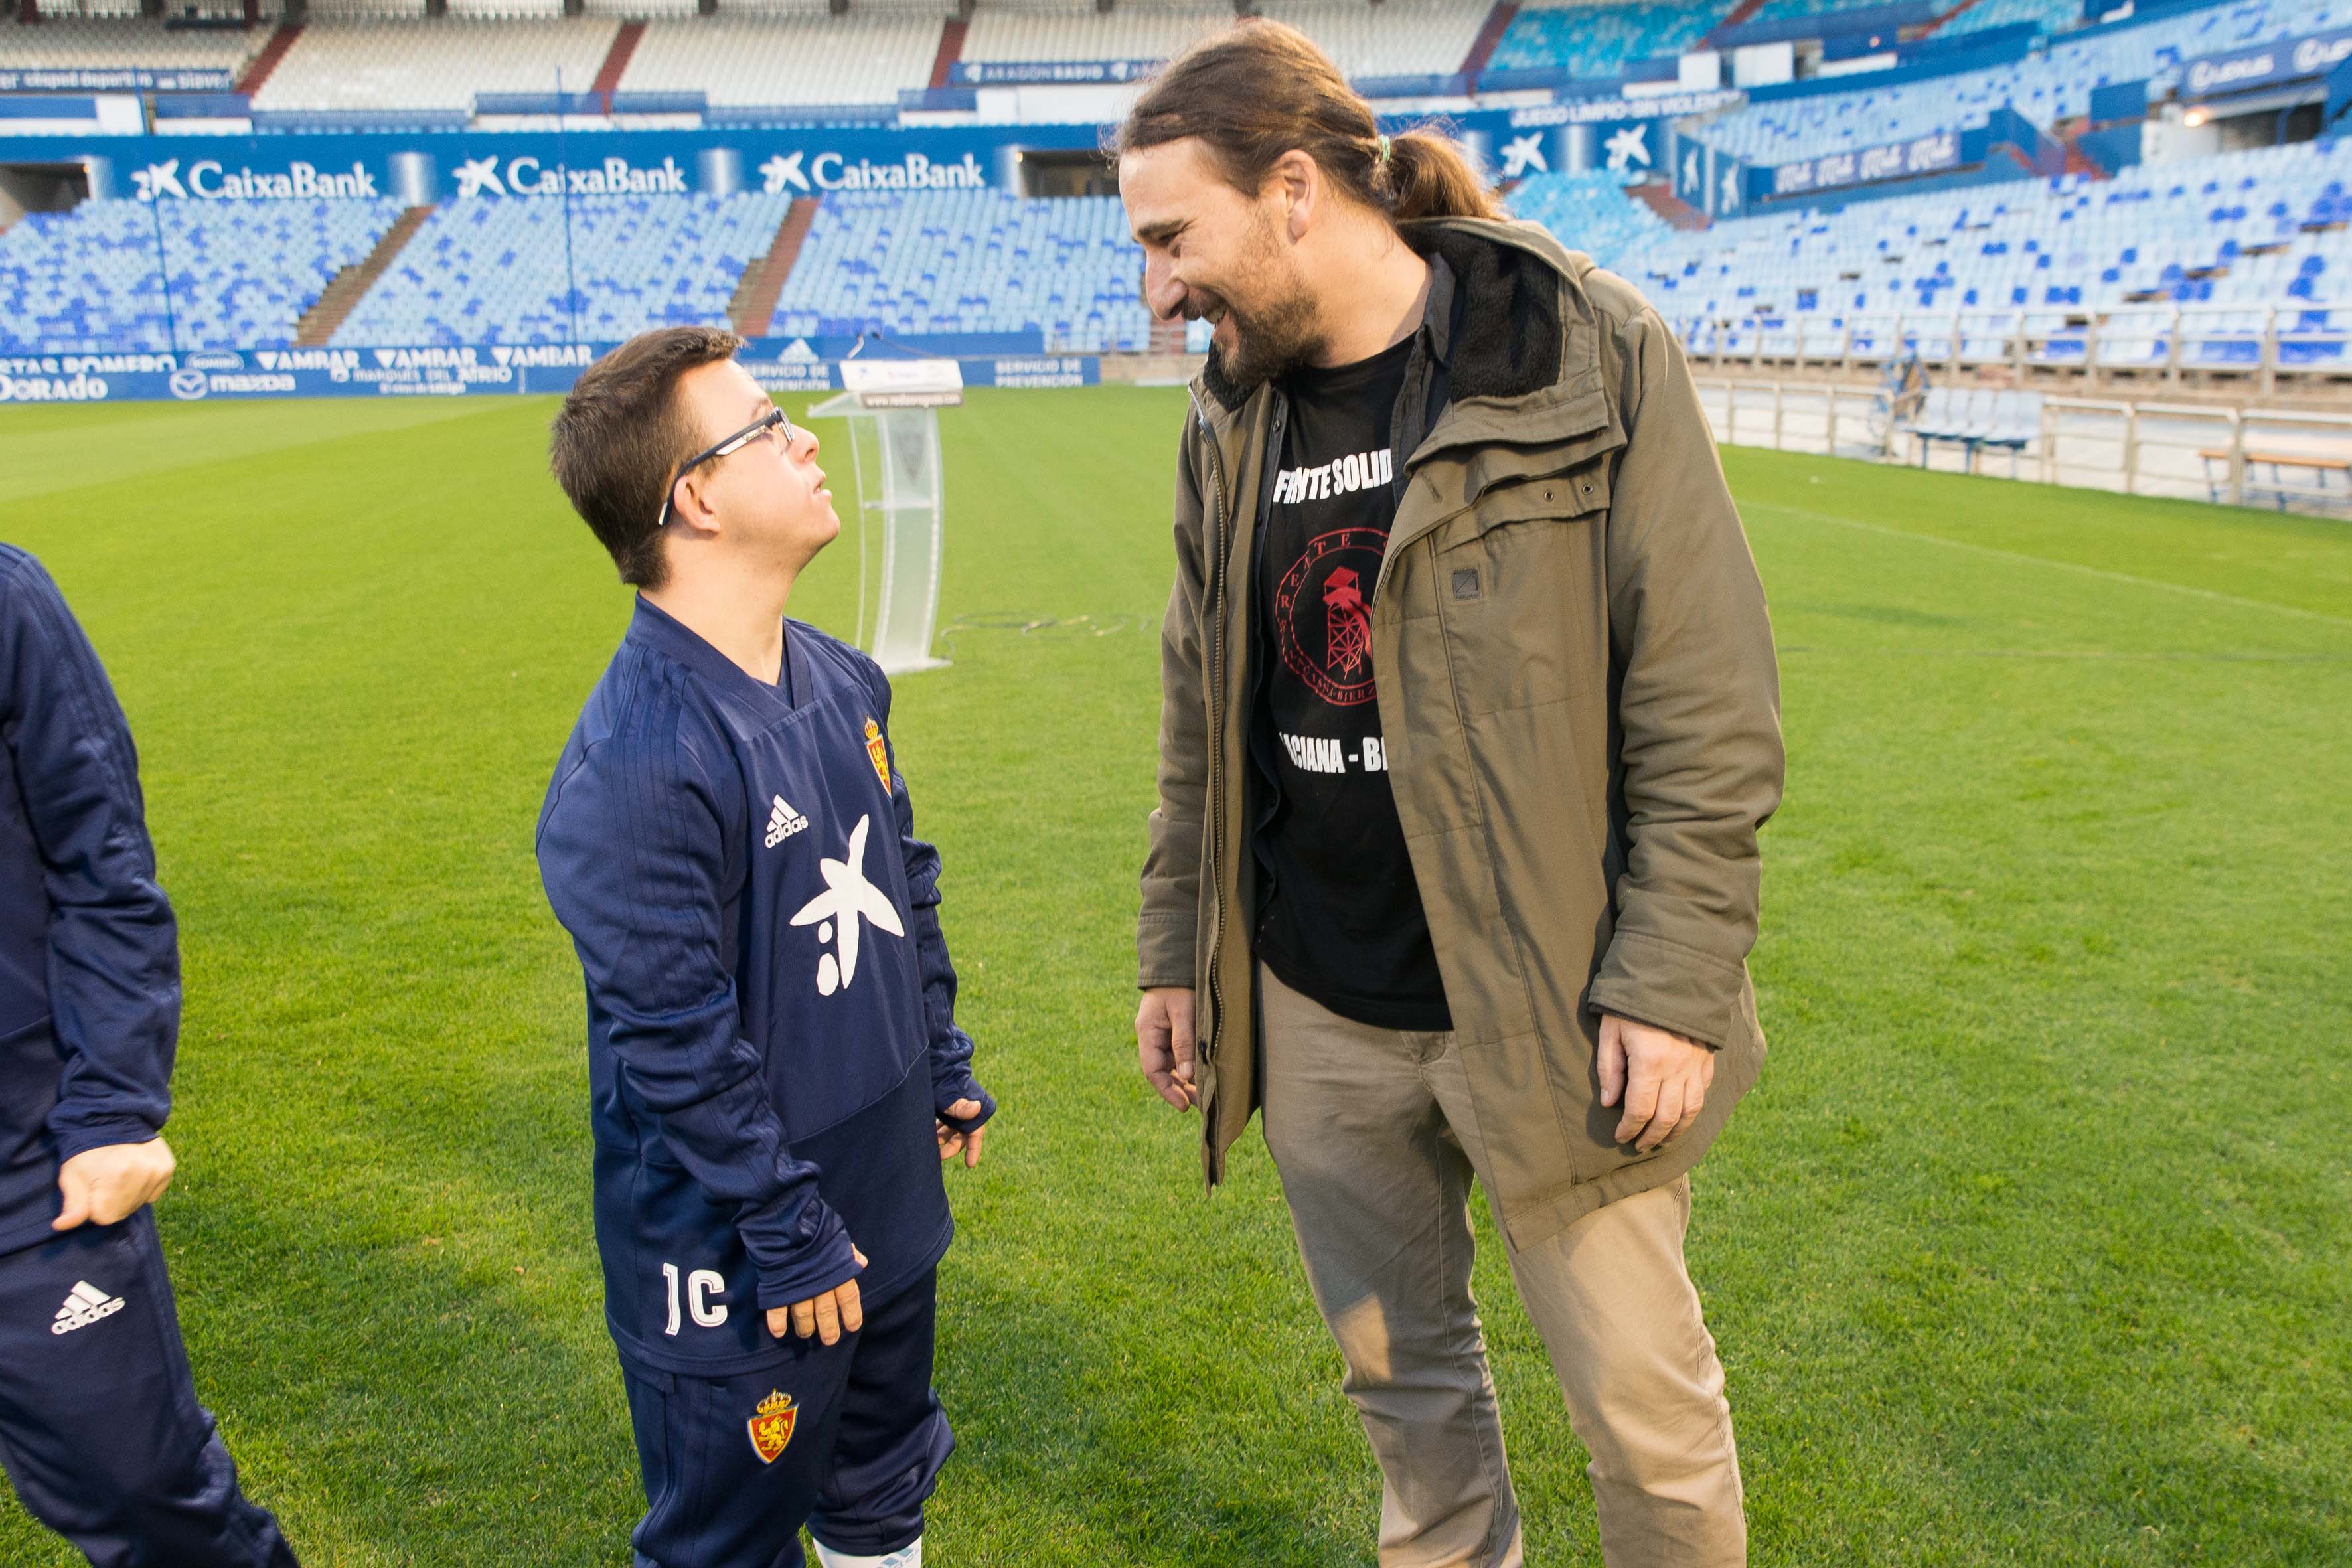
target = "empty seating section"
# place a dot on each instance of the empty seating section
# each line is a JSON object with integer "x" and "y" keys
{"x": 2224, "y": 238}
{"x": 438, "y": 64}
{"x": 642, "y": 9}
{"x": 490, "y": 270}
{"x": 970, "y": 261}
{"x": 2052, "y": 16}
{"x": 2044, "y": 87}
{"x": 66, "y": 43}
{"x": 1590, "y": 211}
{"x": 1977, "y": 419}
{"x": 1421, "y": 37}
{"x": 1600, "y": 40}
{"x": 754, "y": 61}
{"x": 1781, "y": 10}
{"x": 242, "y": 274}
{"x": 1144, "y": 32}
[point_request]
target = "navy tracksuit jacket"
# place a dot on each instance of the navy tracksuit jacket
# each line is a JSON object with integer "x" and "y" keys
{"x": 100, "y": 1429}
{"x": 771, "y": 1035}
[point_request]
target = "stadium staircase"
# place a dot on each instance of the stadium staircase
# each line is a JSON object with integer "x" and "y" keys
{"x": 1943, "y": 16}
{"x": 753, "y": 308}
{"x": 266, "y": 60}
{"x": 1658, "y": 195}
{"x": 350, "y": 286}
{"x": 617, "y": 61}
{"x": 1490, "y": 36}
{"x": 951, "y": 35}
{"x": 2067, "y": 134}
{"x": 1739, "y": 13}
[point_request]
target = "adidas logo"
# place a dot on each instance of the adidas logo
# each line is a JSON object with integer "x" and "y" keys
{"x": 783, "y": 822}
{"x": 85, "y": 1306}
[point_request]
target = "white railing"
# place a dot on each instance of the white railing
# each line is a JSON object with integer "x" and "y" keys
{"x": 2243, "y": 455}
{"x": 2265, "y": 344}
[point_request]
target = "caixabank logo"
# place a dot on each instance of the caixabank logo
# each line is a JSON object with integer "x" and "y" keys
{"x": 831, "y": 171}
{"x": 210, "y": 180}
{"x": 525, "y": 175}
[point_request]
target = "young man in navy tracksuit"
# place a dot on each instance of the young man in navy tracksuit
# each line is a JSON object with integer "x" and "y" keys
{"x": 775, "y": 1074}
{"x": 100, "y": 1427}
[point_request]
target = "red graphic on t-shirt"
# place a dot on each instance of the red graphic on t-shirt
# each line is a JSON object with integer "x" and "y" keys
{"x": 1322, "y": 619}
{"x": 1346, "y": 629}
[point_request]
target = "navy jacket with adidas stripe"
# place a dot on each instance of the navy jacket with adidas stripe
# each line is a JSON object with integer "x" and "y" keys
{"x": 770, "y": 1006}
{"x": 89, "y": 961}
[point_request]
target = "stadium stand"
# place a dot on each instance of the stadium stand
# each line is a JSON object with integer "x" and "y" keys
{"x": 1125, "y": 32}
{"x": 1429, "y": 38}
{"x": 1583, "y": 39}
{"x": 441, "y": 63}
{"x": 1783, "y": 10}
{"x": 488, "y": 270}
{"x": 970, "y": 261}
{"x": 2254, "y": 244}
{"x": 2044, "y": 87}
{"x": 242, "y": 275}
{"x": 1426, "y": 37}
{"x": 2053, "y": 16}
{"x": 1589, "y": 212}
{"x": 2230, "y": 237}
{"x": 767, "y": 61}
{"x": 92, "y": 42}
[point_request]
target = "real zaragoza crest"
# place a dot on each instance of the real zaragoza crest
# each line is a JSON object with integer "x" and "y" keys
{"x": 880, "y": 753}
{"x": 771, "y": 1428}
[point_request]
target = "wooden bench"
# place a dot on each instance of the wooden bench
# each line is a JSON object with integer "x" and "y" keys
{"x": 2217, "y": 482}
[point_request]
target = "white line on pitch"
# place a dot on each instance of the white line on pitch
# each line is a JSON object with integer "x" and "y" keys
{"x": 2046, "y": 560}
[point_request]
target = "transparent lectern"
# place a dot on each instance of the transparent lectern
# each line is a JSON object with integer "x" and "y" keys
{"x": 892, "y": 406}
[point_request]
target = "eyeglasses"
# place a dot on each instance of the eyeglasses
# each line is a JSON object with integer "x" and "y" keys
{"x": 773, "y": 419}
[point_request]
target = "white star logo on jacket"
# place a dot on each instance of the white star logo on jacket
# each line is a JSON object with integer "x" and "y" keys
{"x": 848, "y": 899}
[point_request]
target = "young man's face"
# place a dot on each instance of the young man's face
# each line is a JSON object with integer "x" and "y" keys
{"x": 769, "y": 497}
{"x": 1211, "y": 250}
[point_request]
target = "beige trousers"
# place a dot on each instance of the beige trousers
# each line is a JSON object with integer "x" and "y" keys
{"x": 1372, "y": 1133}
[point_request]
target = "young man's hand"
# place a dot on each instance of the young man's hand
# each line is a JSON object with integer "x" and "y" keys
{"x": 107, "y": 1185}
{"x": 952, "y": 1142}
{"x": 1661, "y": 1076}
{"x": 1163, "y": 1044}
{"x": 828, "y": 1315}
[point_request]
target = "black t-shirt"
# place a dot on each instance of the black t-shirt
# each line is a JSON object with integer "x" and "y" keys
{"x": 1340, "y": 918}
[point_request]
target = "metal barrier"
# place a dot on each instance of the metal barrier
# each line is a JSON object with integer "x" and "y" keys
{"x": 2243, "y": 455}
{"x": 2265, "y": 344}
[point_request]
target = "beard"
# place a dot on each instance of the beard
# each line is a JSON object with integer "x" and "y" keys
{"x": 1273, "y": 335}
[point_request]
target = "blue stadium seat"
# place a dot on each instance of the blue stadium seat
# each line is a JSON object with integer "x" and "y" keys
{"x": 1066, "y": 268}
{"x": 495, "y": 269}
{"x": 1589, "y": 212}
{"x": 242, "y": 273}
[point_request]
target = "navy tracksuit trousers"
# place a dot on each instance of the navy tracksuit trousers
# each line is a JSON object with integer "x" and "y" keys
{"x": 100, "y": 1427}
{"x": 862, "y": 1451}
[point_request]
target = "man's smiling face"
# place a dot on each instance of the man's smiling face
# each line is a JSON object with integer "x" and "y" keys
{"x": 1214, "y": 252}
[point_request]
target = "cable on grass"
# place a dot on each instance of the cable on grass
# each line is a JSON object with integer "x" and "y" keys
{"x": 1036, "y": 625}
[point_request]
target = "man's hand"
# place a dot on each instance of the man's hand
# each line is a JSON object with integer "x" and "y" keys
{"x": 109, "y": 1185}
{"x": 828, "y": 1315}
{"x": 1163, "y": 1040}
{"x": 952, "y": 1142}
{"x": 1661, "y": 1076}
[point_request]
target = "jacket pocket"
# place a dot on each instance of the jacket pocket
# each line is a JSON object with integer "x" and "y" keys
{"x": 1521, "y": 583}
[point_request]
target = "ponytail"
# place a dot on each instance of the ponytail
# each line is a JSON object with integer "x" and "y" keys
{"x": 1428, "y": 176}
{"x": 1259, "y": 90}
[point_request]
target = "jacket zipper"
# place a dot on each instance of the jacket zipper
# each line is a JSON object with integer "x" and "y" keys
{"x": 1214, "y": 827}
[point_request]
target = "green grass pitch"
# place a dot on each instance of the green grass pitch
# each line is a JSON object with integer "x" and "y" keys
{"x": 2029, "y": 1248}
